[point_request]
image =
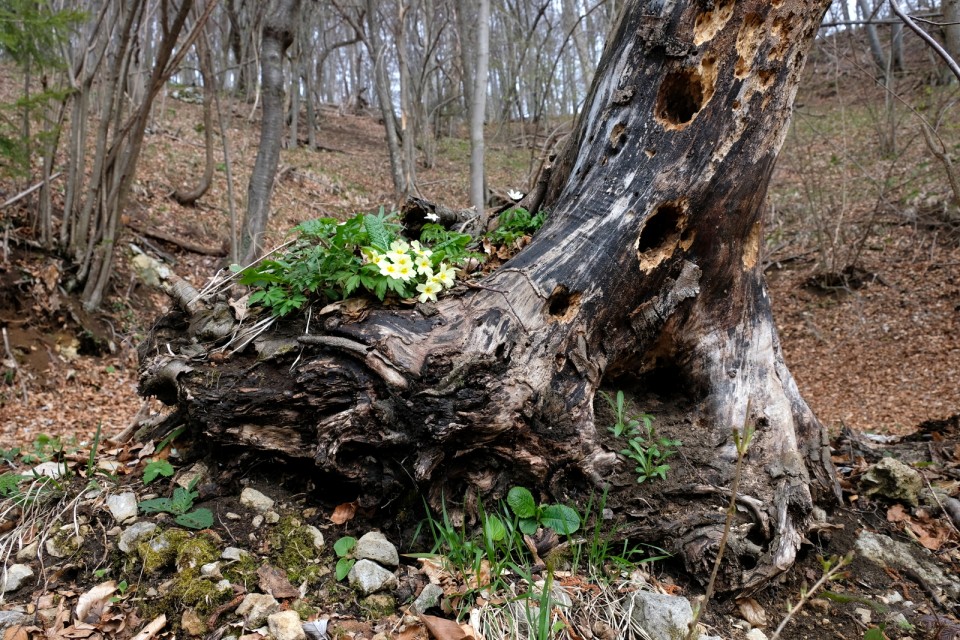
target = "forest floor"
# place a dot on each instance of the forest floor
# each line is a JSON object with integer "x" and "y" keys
{"x": 863, "y": 255}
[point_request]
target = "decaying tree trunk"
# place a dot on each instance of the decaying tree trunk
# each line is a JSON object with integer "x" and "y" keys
{"x": 647, "y": 274}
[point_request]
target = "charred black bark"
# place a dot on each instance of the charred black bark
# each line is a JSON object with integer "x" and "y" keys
{"x": 647, "y": 272}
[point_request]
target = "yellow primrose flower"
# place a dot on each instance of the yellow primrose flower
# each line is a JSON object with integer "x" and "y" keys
{"x": 405, "y": 271}
{"x": 419, "y": 250}
{"x": 400, "y": 259}
{"x": 445, "y": 275}
{"x": 424, "y": 265}
{"x": 399, "y": 246}
{"x": 429, "y": 290}
{"x": 388, "y": 268}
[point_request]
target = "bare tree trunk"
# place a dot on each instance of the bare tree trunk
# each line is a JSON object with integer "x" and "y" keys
{"x": 278, "y": 33}
{"x": 382, "y": 84}
{"x": 876, "y": 49}
{"x": 647, "y": 272}
{"x": 951, "y": 30}
{"x": 478, "y": 108}
{"x": 209, "y": 91}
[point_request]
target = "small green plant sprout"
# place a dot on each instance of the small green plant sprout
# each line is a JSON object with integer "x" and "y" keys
{"x": 557, "y": 517}
{"x": 330, "y": 260}
{"x": 624, "y": 425}
{"x": 513, "y": 224}
{"x": 650, "y": 452}
{"x": 344, "y": 550}
{"x": 180, "y": 505}
{"x": 155, "y": 469}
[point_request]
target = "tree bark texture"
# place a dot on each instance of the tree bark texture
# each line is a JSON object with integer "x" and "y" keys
{"x": 279, "y": 29}
{"x": 647, "y": 275}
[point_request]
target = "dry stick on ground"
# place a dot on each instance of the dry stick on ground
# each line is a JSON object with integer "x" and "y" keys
{"x": 23, "y": 194}
{"x": 11, "y": 363}
{"x": 741, "y": 439}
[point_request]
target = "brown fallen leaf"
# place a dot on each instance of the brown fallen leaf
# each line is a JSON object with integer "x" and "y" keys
{"x": 443, "y": 629}
{"x": 16, "y": 632}
{"x": 752, "y": 612}
{"x": 897, "y": 513}
{"x": 344, "y": 512}
{"x": 92, "y": 604}
{"x": 275, "y": 582}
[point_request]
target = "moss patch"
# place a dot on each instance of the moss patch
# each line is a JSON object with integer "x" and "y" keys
{"x": 292, "y": 549}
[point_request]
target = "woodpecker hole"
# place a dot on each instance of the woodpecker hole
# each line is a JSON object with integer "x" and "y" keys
{"x": 562, "y": 304}
{"x": 662, "y": 232}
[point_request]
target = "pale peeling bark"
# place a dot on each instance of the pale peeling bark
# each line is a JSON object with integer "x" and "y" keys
{"x": 647, "y": 273}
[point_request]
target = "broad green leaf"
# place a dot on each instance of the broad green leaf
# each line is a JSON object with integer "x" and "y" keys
{"x": 197, "y": 519}
{"x": 156, "y": 505}
{"x": 529, "y": 526}
{"x": 521, "y": 502}
{"x": 493, "y": 529}
{"x": 155, "y": 469}
{"x": 344, "y": 545}
{"x": 182, "y": 500}
{"x": 343, "y": 567}
{"x": 560, "y": 518}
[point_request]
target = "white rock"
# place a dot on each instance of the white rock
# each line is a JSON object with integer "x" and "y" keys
{"x": 133, "y": 534}
{"x": 123, "y": 506}
{"x": 369, "y": 577}
{"x": 255, "y": 500}
{"x": 199, "y": 472}
{"x": 257, "y": 521}
{"x": 110, "y": 466}
{"x": 29, "y": 551}
{"x": 211, "y": 570}
{"x": 375, "y": 546}
{"x": 233, "y": 553}
{"x": 662, "y": 615}
{"x": 285, "y": 625}
{"x": 315, "y": 533}
{"x": 887, "y": 552}
{"x": 49, "y": 469}
{"x": 256, "y": 607}
{"x": 15, "y": 576}
{"x": 864, "y": 614}
{"x": 756, "y": 634}
{"x": 271, "y": 517}
{"x": 66, "y": 546}
{"x": 429, "y": 597}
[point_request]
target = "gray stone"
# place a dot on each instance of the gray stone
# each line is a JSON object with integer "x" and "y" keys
{"x": 123, "y": 506}
{"x": 15, "y": 577}
{"x": 369, "y": 577}
{"x": 663, "y": 617}
{"x": 133, "y": 534}
{"x": 13, "y": 619}
{"x": 887, "y": 552}
{"x": 893, "y": 479}
{"x": 255, "y": 500}
{"x": 62, "y": 545}
{"x": 198, "y": 473}
{"x": 271, "y": 517}
{"x": 49, "y": 469}
{"x": 375, "y": 546}
{"x": 234, "y": 553}
{"x": 429, "y": 598}
{"x": 211, "y": 570}
{"x": 316, "y": 630}
{"x": 286, "y": 625}
{"x": 316, "y": 535}
{"x": 29, "y": 551}
{"x": 756, "y": 634}
{"x": 256, "y": 607}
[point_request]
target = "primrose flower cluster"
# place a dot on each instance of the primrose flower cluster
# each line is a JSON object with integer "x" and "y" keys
{"x": 411, "y": 261}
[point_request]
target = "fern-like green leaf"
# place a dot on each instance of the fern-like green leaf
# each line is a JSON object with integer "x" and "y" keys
{"x": 379, "y": 236}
